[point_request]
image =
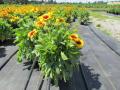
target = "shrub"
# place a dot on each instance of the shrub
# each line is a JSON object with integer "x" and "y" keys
{"x": 83, "y": 16}
{"x": 50, "y": 39}
{"x": 45, "y": 33}
{"x": 5, "y": 30}
{"x": 114, "y": 10}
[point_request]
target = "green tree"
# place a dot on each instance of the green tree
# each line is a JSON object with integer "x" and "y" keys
{"x": 21, "y": 1}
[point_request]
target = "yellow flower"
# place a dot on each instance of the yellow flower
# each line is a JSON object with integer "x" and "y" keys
{"x": 50, "y": 13}
{"x": 34, "y": 9}
{"x": 40, "y": 18}
{"x": 4, "y": 13}
{"x": 32, "y": 33}
{"x": 73, "y": 36}
{"x": 40, "y": 23}
{"x": 14, "y": 18}
{"x": 46, "y": 16}
{"x": 60, "y": 20}
{"x": 79, "y": 43}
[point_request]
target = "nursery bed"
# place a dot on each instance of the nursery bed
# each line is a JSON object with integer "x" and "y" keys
{"x": 16, "y": 76}
{"x": 6, "y": 53}
{"x": 101, "y": 60}
{"x": 99, "y": 70}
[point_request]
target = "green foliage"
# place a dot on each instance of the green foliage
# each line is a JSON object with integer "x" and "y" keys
{"x": 114, "y": 10}
{"x": 47, "y": 36}
{"x": 25, "y": 45}
{"x": 5, "y": 30}
{"x": 83, "y": 16}
{"x": 57, "y": 54}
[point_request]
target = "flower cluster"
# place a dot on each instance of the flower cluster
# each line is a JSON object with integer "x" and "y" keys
{"x": 32, "y": 33}
{"x": 46, "y": 33}
{"x": 14, "y": 18}
{"x": 79, "y": 42}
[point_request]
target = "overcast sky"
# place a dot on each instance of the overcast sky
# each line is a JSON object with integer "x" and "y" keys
{"x": 83, "y": 0}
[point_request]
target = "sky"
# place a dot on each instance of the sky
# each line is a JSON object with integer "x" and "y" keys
{"x": 83, "y": 0}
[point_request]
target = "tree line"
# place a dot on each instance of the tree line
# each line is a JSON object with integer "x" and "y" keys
{"x": 22, "y": 1}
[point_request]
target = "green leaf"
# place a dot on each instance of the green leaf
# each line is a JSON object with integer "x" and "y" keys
{"x": 64, "y": 76}
{"x": 57, "y": 71}
{"x": 19, "y": 57}
{"x": 64, "y": 57}
{"x": 63, "y": 43}
{"x": 51, "y": 75}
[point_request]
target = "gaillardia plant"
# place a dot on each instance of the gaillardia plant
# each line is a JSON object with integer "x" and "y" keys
{"x": 55, "y": 46}
{"x": 44, "y": 33}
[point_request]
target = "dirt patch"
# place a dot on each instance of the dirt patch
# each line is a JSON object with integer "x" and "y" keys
{"x": 108, "y": 25}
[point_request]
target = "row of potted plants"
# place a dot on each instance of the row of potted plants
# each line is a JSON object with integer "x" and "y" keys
{"x": 12, "y": 15}
{"x": 46, "y": 34}
{"x": 115, "y": 10}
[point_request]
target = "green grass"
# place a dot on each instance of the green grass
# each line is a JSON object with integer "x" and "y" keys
{"x": 105, "y": 31}
{"x": 102, "y": 15}
{"x": 115, "y": 18}
{"x": 99, "y": 15}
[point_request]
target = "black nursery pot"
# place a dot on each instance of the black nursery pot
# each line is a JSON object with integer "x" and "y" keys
{"x": 82, "y": 23}
{"x": 62, "y": 84}
{"x": 7, "y": 42}
{"x": 14, "y": 25}
{"x": 68, "y": 20}
{"x": 36, "y": 65}
{"x": 74, "y": 19}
